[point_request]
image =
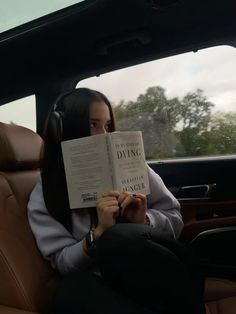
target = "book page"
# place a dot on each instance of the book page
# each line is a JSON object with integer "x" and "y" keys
{"x": 87, "y": 169}
{"x": 129, "y": 162}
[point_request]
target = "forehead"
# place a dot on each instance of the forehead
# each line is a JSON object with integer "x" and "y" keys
{"x": 99, "y": 109}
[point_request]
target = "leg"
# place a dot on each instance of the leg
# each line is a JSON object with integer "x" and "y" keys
{"x": 159, "y": 273}
{"x": 85, "y": 292}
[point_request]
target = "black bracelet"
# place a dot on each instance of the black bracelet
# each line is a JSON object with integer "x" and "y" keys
{"x": 90, "y": 241}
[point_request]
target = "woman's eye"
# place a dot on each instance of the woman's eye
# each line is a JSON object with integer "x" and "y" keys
{"x": 108, "y": 127}
{"x": 92, "y": 124}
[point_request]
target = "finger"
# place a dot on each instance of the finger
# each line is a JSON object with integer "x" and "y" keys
{"x": 142, "y": 199}
{"x": 122, "y": 196}
{"x": 106, "y": 198}
{"x": 119, "y": 214}
{"x": 112, "y": 210}
{"x": 139, "y": 195}
{"x": 111, "y": 193}
{"x": 109, "y": 212}
{"x": 107, "y": 203}
{"x": 128, "y": 200}
{"x": 136, "y": 204}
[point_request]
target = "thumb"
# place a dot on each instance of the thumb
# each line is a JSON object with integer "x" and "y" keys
{"x": 137, "y": 202}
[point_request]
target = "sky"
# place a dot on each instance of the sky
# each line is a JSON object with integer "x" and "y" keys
{"x": 213, "y": 70}
{"x": 17, "y": 12}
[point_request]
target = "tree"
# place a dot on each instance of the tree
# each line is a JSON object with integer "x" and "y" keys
{"x": 222, "y": 134}
{"x": 171, "y": 127}
{"x": 195, "y": 112}
{"x": 156, "y": 116}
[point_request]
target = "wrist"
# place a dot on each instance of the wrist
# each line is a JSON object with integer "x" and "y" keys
{"x": 86, "y": 250}
{"x": 97, "y": 233}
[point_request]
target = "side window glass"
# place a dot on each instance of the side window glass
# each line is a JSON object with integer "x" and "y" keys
{"x": 184, "y": 105}
{"x": 21, "y": 112}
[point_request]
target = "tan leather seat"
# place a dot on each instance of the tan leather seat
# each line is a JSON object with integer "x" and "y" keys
{"x": 220, "y": 296}
{"x": 27, "y": 281}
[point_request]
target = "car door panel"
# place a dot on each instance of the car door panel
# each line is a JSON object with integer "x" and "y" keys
{"x": 206, "y": 190}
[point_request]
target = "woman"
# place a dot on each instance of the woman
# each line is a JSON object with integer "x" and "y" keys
{"x": 131, "y": 267}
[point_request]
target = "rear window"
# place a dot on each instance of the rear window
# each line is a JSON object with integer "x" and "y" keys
{"x": 21, "y": 112}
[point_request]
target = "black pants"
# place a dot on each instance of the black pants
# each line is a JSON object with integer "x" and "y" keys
{"x": 142, "y": 272}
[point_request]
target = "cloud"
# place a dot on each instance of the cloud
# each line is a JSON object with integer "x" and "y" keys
{"x": 212, "y": 70}
{"x": 21, "y": 112}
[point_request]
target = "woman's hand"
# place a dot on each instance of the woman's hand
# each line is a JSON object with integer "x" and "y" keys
{"x": 107, "y": 212}
{"x": 133, "y": 206}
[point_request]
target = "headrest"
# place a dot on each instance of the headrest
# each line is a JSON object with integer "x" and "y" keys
{"x": 20, "y": 148}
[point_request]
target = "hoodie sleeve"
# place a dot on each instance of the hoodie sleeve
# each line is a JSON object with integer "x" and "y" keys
{"x": 163, "y": 208}
{"x": 54, "y": 241}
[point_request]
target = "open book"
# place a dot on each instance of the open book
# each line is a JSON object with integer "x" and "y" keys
{"x": 104, "y": 162}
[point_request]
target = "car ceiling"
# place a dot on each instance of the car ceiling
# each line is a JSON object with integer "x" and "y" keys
{"x": 95, "y": 37}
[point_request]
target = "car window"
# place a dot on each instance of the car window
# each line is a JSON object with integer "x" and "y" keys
{"x": 185, "y": 105}
{"x": 21, "y": 112}
{"x": 14, "y": 13}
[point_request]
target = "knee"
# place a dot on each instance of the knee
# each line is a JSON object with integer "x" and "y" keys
{"x": 72, "y": 291}
{"x": 117, "y": 250}
{"x": 71, "y": 283}
{"x": 122, "y": 237}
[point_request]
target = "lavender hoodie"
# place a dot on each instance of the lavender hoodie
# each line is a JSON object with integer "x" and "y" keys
{"x": 64, "y": 250}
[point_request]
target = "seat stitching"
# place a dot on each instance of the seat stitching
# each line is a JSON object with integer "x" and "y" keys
{"x": 14, "y": 277}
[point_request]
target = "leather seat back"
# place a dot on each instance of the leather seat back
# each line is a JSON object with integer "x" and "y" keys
{"x": 27, "y": 280}
{"x": 220, "y": 296}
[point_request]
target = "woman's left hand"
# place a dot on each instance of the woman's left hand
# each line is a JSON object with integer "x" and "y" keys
{"x": 133, "y": 206}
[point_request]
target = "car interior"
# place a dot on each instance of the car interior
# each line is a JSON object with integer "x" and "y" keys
{"x": 47, "y": 57}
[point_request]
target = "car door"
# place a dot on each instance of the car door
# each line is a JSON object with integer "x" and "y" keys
{"x": 189, "y": 137}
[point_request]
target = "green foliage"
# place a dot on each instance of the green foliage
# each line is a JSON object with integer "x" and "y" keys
{"x": 156, "y": 116}
{"x": 195, "y": 113}
{"x": 221, "y": 137}
{"x": 177, "y": 127}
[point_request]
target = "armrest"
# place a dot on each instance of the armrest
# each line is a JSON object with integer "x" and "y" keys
{"x": 216, "y": 250}
{"x": 12, "y": 310}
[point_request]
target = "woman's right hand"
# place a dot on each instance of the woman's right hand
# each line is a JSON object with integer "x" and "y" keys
{"x": 107, "y": 212}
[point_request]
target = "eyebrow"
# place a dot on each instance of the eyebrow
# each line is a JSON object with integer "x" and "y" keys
{"x": 98, "y": 120}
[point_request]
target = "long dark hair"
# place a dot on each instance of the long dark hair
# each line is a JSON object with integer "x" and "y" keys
{"x": 74, "y": 108}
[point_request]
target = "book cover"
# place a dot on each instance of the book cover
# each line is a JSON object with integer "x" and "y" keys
{"x": 104, "y": 162}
